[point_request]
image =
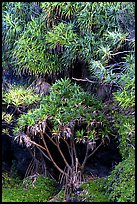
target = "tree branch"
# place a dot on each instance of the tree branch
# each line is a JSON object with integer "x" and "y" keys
{"x": 63, "y": 157}
{"x": 117, "y": 53}
{"x": 85, "y": 80}
{"x": 95, "y": 150}
{"x": 85, "y": 159}
{"x": 60, "y": 170}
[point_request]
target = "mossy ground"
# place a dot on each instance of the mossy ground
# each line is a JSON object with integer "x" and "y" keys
{"x": 120, "y": 184}
{"x": 41, "y": 191}
{"x": 96, "y": 191}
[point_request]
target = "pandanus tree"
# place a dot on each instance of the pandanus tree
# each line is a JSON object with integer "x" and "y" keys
{"x": 65, "y": 116}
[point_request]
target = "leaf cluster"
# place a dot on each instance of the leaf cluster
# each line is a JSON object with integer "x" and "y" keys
{"x": 15, "y": 16}
{"x": 19, "y": 96}
{"x": 126, "y": 96}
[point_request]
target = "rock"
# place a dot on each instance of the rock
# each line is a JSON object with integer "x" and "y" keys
{"x": 22, "y": 158}
{"x": 42, "y": 87}
{"x": 14, "y": 154}
{"x": 104, "y": 91}
{"x": 7, "y": 153}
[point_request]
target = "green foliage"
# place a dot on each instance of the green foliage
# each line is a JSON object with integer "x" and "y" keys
{"x": 9, "y": 181}
{"x": 80, "y": 133}
{"x": 15, "y": 16}
{"x": 125, "y": 123}
{"x": 126, "y": 17}
{"x": 126, "y": 130}
{"x": 99, "y": 38}
{"x": 93, "y": 32}
{"x": 8, "y": 118}
{"x": 65, "y": 103}
{"x": 60, "y": 197}
{"x": 87, "y": 30}
{"x": 62, "y": 34}
{"x": 33, "y": 49}
{"x": 120, "y": 184}
{"x": 5, "y": 131}
{"x": 56, "y": 11}
{"x": 126, "y": 97}
{"x": 41, "y": 191}
{"x": 95, "y": 191}
{"x": 30, "y": 50}
{"x": 98, "y": 16}
{"x": 19, "y": 96}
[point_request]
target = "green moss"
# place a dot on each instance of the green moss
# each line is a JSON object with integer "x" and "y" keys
{"x": 121, "y": 183}
{"x": 41, "y": 191}
{"x": 9, "y": 181}
{"x": 96, "y": 191}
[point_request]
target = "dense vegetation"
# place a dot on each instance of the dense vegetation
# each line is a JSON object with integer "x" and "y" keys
{"x": 69, "y": 83}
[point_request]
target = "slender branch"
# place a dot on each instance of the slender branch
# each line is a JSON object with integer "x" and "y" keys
{"x": 132, "y": 146}
{"x": 49, "y": 128}
{"x": 72, "y": 158}
{"x": 128, "y": 39}
{"x": 86, "y": 157}
{"x": 117, "y": 53}
{"x": 95, "y": 150}
{"x": 63, "y": 157}
{"x": 116, "y": 64}
{"x": 29, "y": 167}
{"x": 85, "y": 80}
{"x": 37, "y": 145}
{"x": 49, "y": 138}
{"x": 40, "y": 147}
{"x": 66, "y": 144}
{"x": 52, "y": 157}
{"x": 74, "y": 149}
{"x": 44, "y": 154}
{"x": 57, "y": 145}
{"x": 77, "y": 164}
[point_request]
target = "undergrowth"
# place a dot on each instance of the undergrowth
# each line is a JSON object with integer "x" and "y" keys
{"x": 41, "y": 191}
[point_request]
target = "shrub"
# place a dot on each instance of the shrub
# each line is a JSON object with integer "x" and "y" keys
{"x": 65, "y": 103}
